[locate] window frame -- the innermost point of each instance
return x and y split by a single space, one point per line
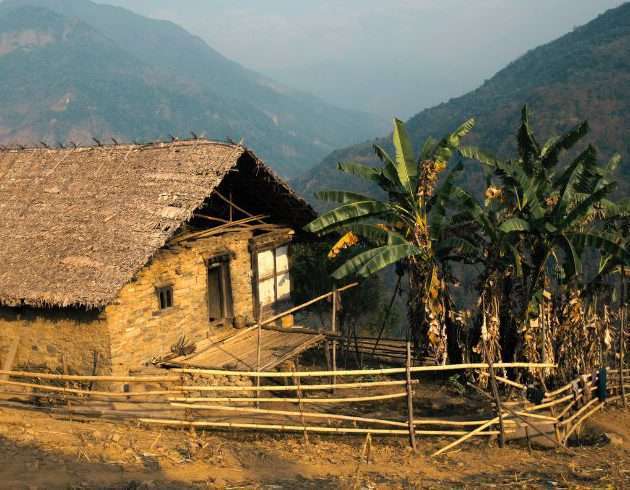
165 297
255 250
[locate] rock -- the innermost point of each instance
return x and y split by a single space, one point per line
614 439
116 437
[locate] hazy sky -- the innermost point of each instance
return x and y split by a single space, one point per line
392 57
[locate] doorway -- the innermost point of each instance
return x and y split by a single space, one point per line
219 292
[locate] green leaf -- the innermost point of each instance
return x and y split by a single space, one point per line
513 225
613 164
341 197
376 234
573 264
389 171
451 142
456 247
474 153
352 265
585 206
405 160
455 137
551 153
362 171
347 213
528 147
386 256
563 183
602 242
429 146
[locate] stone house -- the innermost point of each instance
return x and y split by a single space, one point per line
109 255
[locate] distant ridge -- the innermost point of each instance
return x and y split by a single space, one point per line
71 70
582 75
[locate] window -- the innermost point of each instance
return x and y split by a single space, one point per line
165 297
219 289
274 283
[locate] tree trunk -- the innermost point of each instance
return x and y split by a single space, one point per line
426 312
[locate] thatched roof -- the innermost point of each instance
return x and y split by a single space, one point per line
77 224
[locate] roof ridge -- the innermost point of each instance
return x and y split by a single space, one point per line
151 144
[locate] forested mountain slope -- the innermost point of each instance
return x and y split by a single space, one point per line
74 69
582 75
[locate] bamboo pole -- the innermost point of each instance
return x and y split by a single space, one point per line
292 400
362 372
551 403
412 434
386 317
497 401
304 305
579 412
299 428
73 377
562 389
316 387
582 419
63 389
289 413
258 340
301 407
90 412
466 437
524 420
506 381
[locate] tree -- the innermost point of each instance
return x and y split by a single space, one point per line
407 228
539 220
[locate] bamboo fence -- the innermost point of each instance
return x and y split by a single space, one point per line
189 398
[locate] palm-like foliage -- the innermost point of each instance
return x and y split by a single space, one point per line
406 227
540 219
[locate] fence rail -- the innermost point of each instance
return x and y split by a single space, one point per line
191 400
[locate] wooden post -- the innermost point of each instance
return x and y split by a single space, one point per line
622 336
94 368
7 365
296 380
412 433
231 208
333 328
497 401
258 341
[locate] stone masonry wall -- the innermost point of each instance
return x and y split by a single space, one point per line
140 330
45 335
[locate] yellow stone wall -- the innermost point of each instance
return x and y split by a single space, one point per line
129 332
46 335
140 330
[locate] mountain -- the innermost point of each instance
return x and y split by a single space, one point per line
74 70
582 75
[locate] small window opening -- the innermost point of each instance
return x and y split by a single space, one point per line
165 297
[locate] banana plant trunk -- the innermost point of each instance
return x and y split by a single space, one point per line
427 312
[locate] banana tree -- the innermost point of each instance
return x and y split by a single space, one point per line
405 228
546 218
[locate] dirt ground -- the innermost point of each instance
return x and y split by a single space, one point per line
40 451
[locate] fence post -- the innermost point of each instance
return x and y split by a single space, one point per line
258 361
497 400
333 327
412 431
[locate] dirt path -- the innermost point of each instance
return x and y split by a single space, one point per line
41 452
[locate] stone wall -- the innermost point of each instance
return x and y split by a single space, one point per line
140 330
47 335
